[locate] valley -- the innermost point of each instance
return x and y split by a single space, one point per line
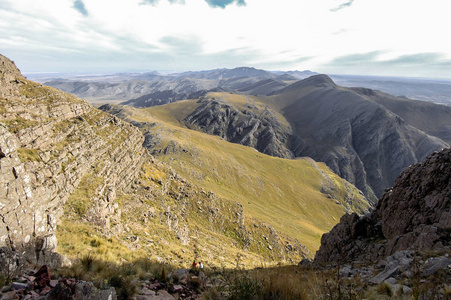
281 184
83 183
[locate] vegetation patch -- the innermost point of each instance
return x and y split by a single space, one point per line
19 123
80 200
27 154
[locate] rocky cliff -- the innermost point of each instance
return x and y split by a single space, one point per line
50 141
77 181
413 215
244 122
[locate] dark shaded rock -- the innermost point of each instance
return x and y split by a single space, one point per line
413 215
18 286
435 264
254 126
42 276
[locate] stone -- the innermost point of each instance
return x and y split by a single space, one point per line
10 295
180 273
345 271
382 276
45 290
177 288
155 286
406 290
42 276
163 295
435 264
413 215
146 291
53 283
18 286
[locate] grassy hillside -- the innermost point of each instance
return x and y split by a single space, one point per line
300 198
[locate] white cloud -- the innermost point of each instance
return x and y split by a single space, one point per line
288 34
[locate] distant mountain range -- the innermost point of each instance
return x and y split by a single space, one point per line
79 181
151 88
365 136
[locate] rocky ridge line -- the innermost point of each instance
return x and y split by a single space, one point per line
413 215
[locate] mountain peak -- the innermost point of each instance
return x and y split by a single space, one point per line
320 80
9 76
8 67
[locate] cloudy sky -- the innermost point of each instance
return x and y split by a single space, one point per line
369 37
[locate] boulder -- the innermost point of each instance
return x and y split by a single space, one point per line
435 264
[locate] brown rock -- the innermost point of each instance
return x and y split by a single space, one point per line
413 215
42 276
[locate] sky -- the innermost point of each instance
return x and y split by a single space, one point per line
360 37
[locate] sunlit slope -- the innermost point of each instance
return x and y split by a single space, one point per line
299 197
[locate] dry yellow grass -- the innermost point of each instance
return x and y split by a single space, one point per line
281 192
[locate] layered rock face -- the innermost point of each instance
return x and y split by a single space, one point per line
49 142
414 215
251 124
65 164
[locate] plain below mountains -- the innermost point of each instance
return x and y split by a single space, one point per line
365 136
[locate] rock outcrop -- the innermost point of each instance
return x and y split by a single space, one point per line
74 178
413 215
251 124
49 142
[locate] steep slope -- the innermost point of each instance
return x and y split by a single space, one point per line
77 180
434 119
264 87
300 198
414 215
163 97
49 143
356 137
243 120
352 130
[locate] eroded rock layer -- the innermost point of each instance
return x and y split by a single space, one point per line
49 141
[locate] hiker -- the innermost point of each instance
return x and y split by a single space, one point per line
194 264
201 265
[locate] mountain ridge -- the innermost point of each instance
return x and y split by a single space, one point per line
78 181
347 128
